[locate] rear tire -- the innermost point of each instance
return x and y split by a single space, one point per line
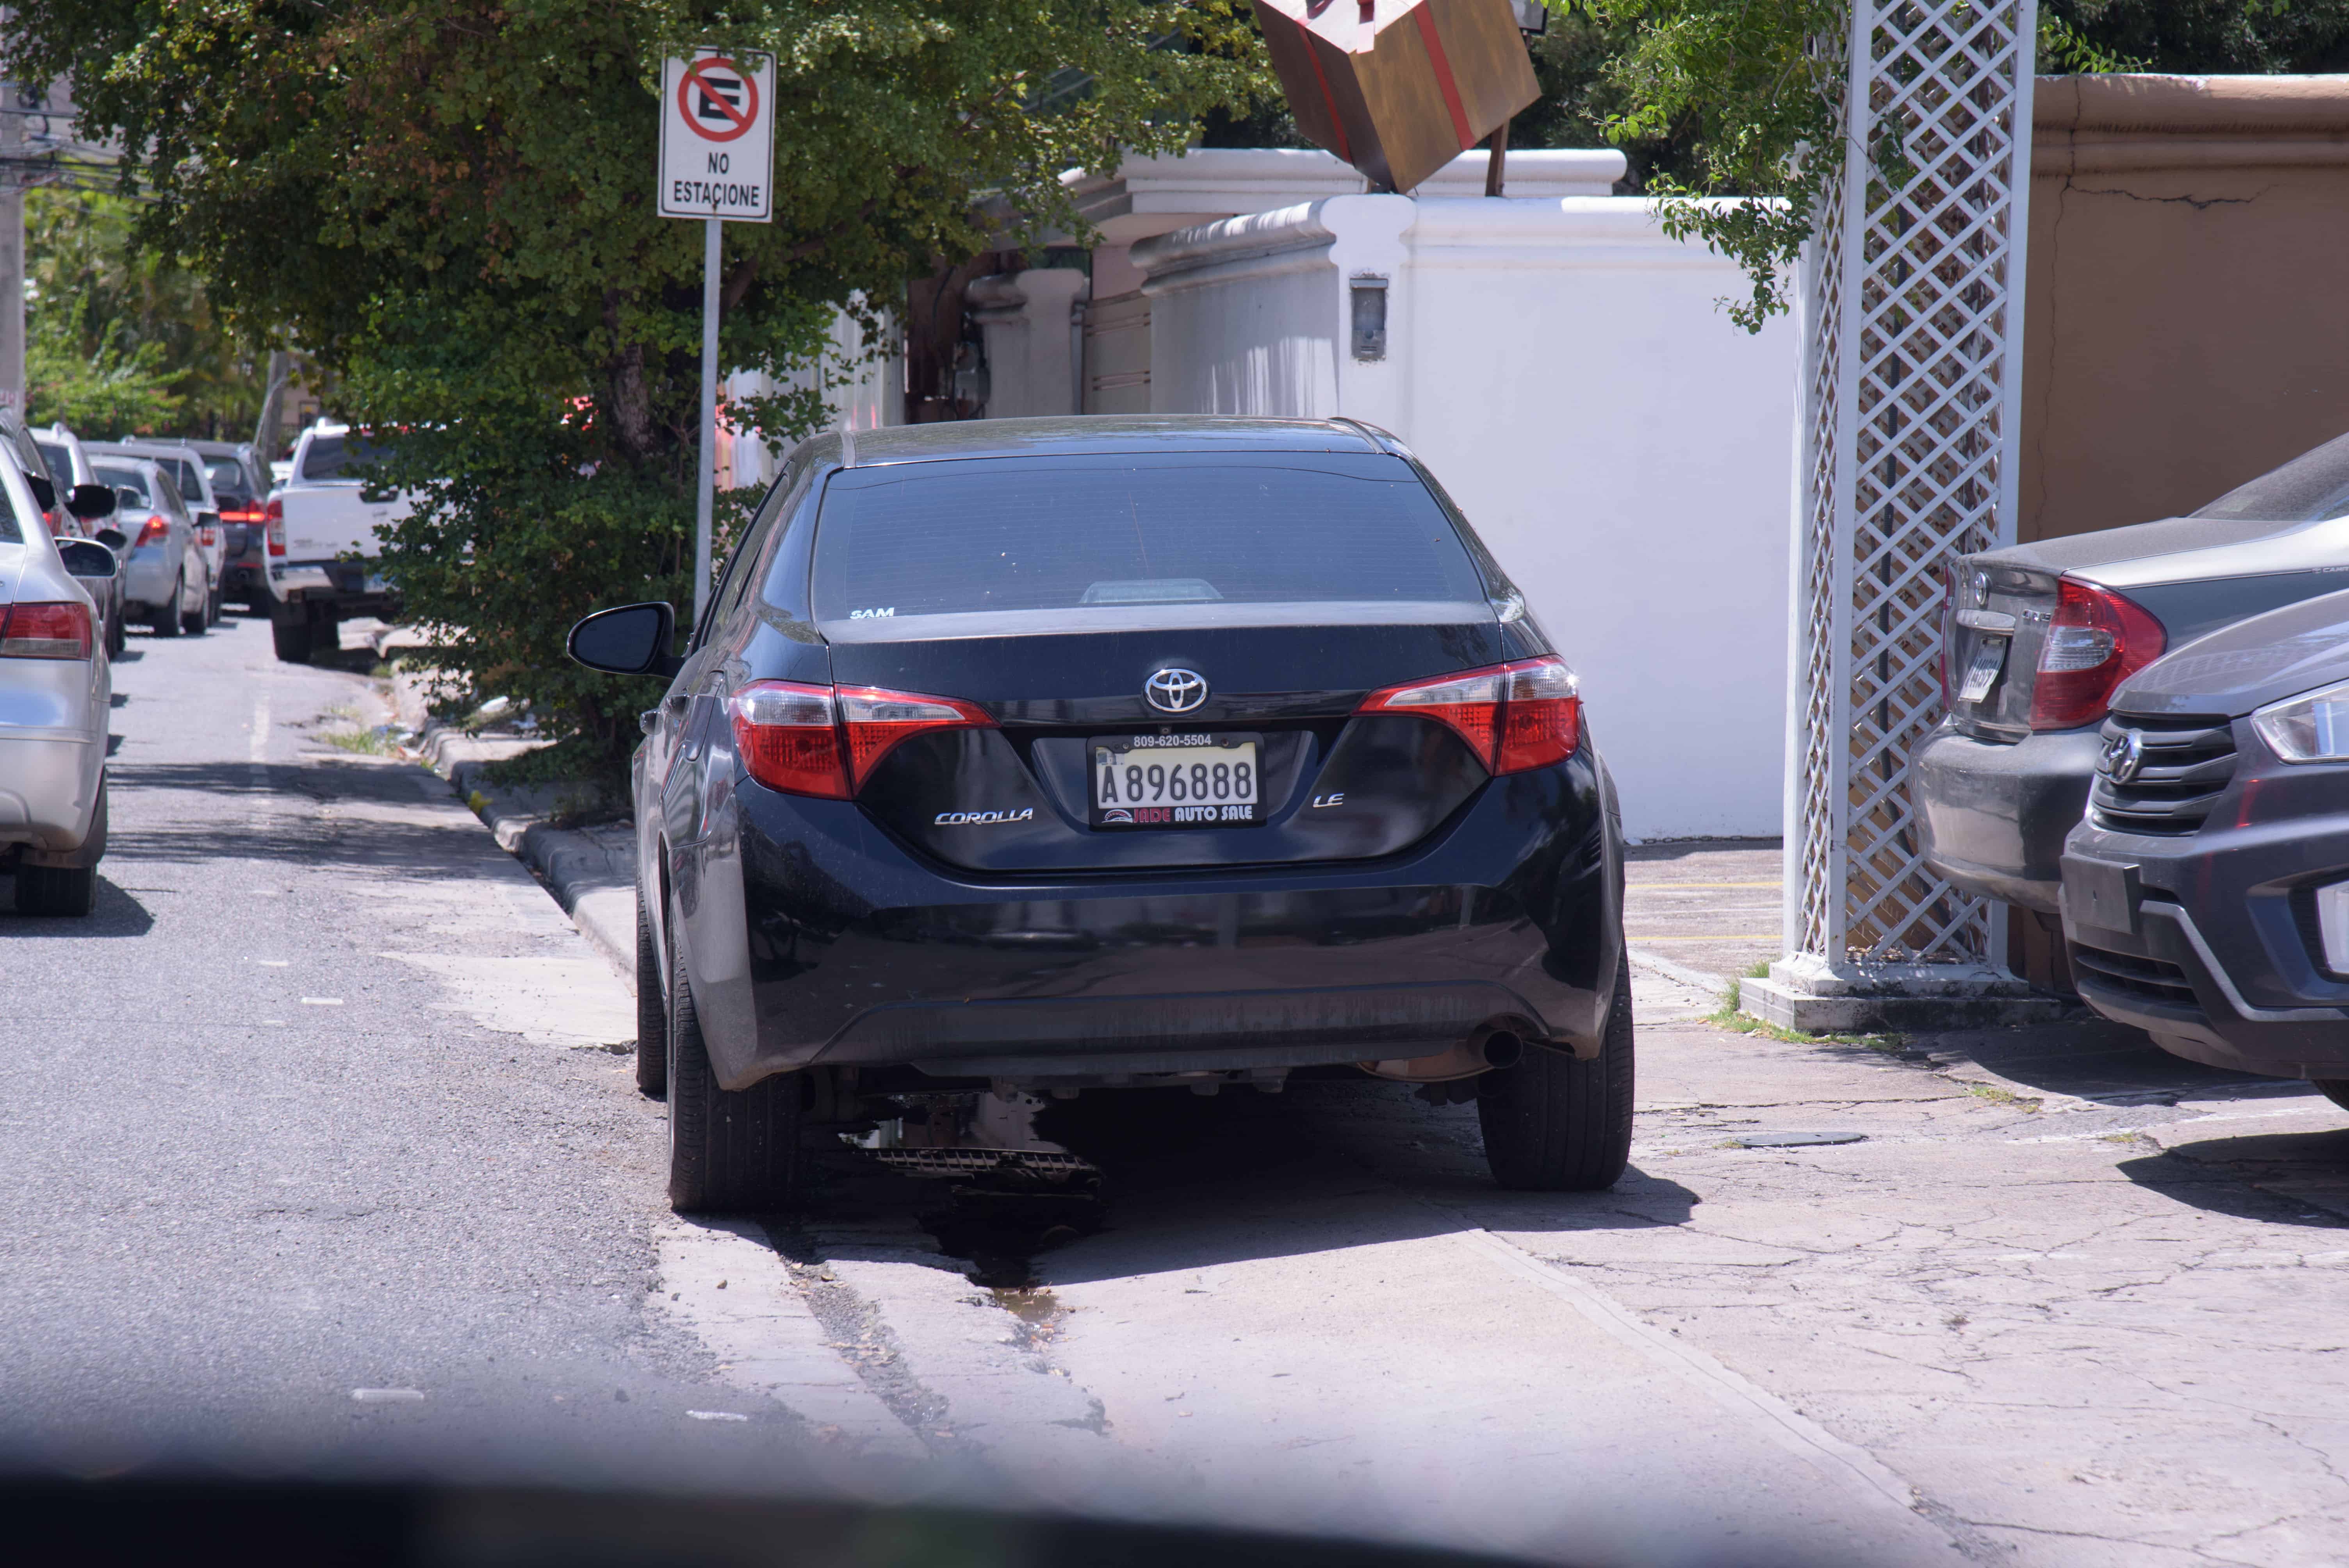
70 891
2335 1090
197 621
1556 1124
292 639
652 1010
727 1151
216 611
169 621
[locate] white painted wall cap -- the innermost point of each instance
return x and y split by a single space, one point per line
1252 179
1558 229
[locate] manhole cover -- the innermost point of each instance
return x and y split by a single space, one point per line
1794 1140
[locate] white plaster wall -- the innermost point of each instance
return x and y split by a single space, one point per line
1564 370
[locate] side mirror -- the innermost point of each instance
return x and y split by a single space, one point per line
86 558
113 538
632 640
87 501
45 494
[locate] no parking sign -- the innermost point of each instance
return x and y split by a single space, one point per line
717 139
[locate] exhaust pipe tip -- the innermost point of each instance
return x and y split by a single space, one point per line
1502 1048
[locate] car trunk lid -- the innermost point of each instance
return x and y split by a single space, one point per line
1324 783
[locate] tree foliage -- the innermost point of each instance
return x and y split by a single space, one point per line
450 203
1746 96
120 339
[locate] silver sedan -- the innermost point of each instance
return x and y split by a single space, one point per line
56 688
169 579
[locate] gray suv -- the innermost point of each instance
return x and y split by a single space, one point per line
2206 897
2037 637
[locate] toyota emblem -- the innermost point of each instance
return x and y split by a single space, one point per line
2124 754
1176 691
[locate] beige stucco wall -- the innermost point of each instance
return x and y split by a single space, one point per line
2188 321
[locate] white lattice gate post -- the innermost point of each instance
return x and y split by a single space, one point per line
1913 374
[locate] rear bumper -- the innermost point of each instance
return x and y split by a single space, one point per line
342 588
48 789
862 953
2219 965
147 577
1992 817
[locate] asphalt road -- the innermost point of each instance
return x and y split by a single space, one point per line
319 1161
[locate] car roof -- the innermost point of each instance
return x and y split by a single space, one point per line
1099 433
146 466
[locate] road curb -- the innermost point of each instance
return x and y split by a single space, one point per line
589 871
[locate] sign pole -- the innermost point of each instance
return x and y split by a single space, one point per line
716 155
706 488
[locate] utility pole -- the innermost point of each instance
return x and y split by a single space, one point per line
705 493
12 251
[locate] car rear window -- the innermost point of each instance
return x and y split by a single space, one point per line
2312 488
59 459
184 475
130 480
335 457
228 479
1017 534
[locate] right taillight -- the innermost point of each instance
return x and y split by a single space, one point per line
155 530
45 630
273 514
2096 640
1513 717
812 740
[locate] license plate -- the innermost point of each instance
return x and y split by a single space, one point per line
1175 780
2101 893
1989 658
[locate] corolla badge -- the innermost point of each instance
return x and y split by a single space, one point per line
1176 691
2124 754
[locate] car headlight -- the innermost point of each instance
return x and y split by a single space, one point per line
2311 728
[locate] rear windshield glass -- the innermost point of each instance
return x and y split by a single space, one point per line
2312 488
12 532
228 479
1012 534
60 461
183 475
335 457
129 483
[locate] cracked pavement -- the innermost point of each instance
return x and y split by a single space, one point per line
2065 1300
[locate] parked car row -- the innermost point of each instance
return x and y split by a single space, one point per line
2148 738
63 597
155 531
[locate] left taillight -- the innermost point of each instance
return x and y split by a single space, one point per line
47 630
1513 717
814 740
2096 640
273 514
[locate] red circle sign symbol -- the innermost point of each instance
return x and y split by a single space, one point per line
708 102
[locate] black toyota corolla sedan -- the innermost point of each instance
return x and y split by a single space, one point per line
1023 758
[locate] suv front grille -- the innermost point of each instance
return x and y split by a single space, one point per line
2153 979
2186 764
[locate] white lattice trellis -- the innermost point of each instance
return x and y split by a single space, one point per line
1912 379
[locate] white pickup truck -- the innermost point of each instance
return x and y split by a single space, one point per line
322 543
